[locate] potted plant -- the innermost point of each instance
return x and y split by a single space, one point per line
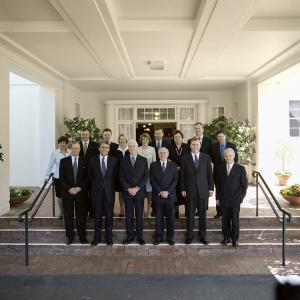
18 195
284 153
292 194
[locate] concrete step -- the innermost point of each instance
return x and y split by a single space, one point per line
149 223
57 235
213 249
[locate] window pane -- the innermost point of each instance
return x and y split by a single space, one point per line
294 132
171 113
294 123
140 114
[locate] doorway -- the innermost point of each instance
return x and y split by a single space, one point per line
148 127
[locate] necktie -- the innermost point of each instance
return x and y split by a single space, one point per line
132 160
222 148
75 168
103 167
228 169
164 167
196 161
85 148
158 145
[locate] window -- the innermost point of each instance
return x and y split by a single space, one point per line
294 116
186 113
218 111
166 113
125 114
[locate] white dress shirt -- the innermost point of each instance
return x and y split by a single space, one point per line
54 162
123 150
105 161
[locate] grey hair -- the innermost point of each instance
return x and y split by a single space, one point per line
133 142
163 148
230 150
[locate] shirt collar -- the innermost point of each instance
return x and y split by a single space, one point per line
123 150
193 154
230 165
101 156
87 142
161 162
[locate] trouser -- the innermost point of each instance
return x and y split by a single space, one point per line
134 206
191 205
77 201
164 209
230 223
103 207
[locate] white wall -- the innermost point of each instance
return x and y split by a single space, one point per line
32 133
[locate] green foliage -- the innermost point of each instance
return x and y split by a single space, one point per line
19 192
1 153
293 190
284 153
75 125
242 134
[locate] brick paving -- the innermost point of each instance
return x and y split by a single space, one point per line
212 265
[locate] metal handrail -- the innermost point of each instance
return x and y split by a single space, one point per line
286 216
23 216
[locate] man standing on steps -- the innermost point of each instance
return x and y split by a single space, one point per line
103 175
88 149
217 157
133 177
73 179
205 142
163 178
196 184
232 183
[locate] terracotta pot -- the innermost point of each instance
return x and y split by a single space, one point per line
15 201
291 199
283 179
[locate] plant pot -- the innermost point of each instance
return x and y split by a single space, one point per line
15 201
283 179
291 199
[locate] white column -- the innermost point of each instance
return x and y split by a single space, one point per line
110 120
201 113
4 136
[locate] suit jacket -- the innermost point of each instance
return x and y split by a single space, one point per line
133 176
164 143
92 150
233 187
66 176
98 183
216 155
113 149
205 145
196 182
161 181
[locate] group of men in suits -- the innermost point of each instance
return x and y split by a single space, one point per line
89 176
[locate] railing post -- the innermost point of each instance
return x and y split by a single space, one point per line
53 197
256 184
283 239
26 239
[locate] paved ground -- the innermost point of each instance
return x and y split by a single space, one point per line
138 287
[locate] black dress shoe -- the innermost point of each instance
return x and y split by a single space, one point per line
156 243
176 215
121 215
204 241
69 241
95 242
225 242
217 216
109 242
127 241
171 242
188 241
141 241
235 244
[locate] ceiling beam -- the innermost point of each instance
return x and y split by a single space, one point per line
273 24
34 27
156 25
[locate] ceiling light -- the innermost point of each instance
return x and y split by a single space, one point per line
156 65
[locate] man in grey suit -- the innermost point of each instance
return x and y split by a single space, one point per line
196 184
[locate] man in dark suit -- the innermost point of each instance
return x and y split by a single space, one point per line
88 149
217 157
205 142
102 175
163 178
73 180
232 182
113 147
196 184
133 176
158 141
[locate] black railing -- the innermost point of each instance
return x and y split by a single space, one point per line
286 216
39 199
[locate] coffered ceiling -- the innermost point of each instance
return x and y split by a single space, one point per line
108 44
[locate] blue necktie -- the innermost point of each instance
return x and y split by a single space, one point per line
222 148
103 167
